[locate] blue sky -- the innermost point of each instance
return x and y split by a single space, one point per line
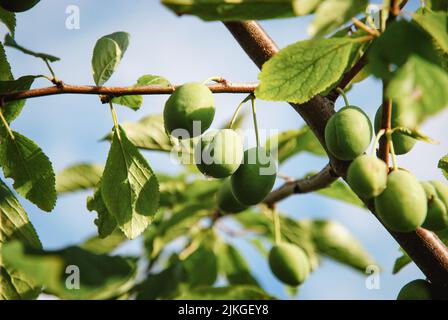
68 128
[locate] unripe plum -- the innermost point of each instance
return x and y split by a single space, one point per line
402 206
191 102
18 5
220 153
227 201
255 177
289 263
399 118
348 133
416 290
367 176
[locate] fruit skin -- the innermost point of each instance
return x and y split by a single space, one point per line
437 216
255 177
400 118
289 264
416 290
348 133
18 5
220 153
190 102
402 206
227 201
367 176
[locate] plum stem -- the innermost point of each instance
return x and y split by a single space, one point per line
114 118
277 229
254 114
392 150
377 141
237 110
5 123
342 93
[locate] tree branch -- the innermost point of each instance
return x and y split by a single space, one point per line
423 246
225 87
312 183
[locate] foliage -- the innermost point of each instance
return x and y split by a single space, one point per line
191 250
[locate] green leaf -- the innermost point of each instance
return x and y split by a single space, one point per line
12 109
23 161
443 165
289 143
135 101
331 14
179 224
335 241
10 42
241 292
80 176
225 10
233 266
201 267
401 262
421 86
5 68
99 245
148 133
15 225
105 222
416 134
400 41
107 54
163 285
100 276
339 190
436 24
129 187
304 7
9 19
304 69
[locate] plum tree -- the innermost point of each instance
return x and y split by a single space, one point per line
190 103
367 176
18 5
416 290
402 205
399 118
227 201
289 263
255 177
220 153
348 133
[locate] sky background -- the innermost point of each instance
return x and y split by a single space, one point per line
68 128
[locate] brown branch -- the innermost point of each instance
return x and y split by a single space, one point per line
312 183
386 116
425 249
224 87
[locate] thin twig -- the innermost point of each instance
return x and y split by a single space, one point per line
362 26
121 91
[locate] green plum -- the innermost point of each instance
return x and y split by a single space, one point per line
18 5
437 216
220 153
402 206
191 108
255 177
289 263
367 176
227 201
416 290
348 133
399 118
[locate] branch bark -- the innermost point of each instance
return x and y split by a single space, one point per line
423 246
315 182
225 87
